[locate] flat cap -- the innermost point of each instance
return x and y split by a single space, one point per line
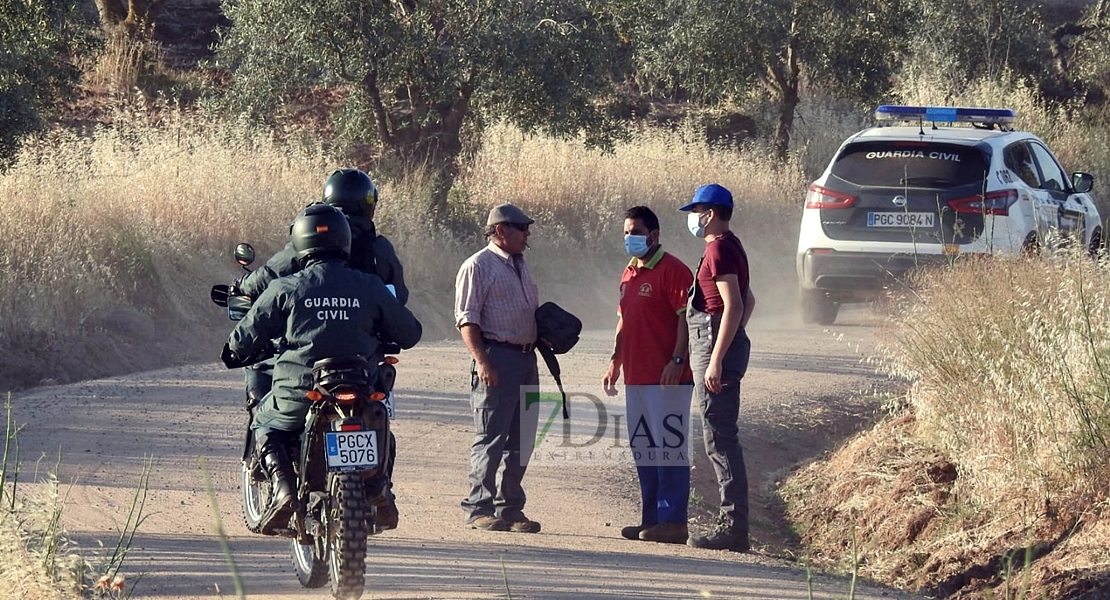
507 213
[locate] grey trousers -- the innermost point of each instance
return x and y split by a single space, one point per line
720 412
504 436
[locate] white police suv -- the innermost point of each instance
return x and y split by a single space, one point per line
958 181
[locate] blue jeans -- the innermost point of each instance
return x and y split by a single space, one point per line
501 436
720 412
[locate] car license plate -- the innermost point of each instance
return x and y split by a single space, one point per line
352 450
388 402
900 219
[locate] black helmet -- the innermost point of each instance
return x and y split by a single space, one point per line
351 191
320 230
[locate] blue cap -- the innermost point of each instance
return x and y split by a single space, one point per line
710 194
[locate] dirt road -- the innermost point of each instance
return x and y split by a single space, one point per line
794 406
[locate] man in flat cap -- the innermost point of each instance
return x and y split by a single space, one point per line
495 307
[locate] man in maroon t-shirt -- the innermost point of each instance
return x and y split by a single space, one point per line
650 345
720 305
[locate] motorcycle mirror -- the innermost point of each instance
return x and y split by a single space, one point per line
220 294
244 254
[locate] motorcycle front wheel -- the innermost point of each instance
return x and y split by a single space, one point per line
346 527
256 493
310 563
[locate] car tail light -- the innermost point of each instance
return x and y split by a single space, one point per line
993 203
821 197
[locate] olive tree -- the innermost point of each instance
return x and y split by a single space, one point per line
968 39
422 70
715 49
39 42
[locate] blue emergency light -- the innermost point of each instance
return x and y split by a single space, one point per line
945 114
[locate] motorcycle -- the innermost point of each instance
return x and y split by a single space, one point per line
345 443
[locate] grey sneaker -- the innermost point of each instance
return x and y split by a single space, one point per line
489 523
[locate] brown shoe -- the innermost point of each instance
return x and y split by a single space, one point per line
489 524
666 533
524 525
632 532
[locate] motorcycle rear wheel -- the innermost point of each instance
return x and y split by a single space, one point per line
346 526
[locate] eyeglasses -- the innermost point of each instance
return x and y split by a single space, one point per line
517 226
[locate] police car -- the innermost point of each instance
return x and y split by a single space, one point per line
953 181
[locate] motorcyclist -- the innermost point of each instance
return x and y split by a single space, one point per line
353 192
325 309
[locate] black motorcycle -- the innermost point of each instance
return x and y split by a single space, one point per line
345 443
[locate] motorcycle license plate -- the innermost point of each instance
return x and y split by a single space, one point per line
352 450
388 402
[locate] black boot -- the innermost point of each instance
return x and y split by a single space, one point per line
283 485
379 494
726 536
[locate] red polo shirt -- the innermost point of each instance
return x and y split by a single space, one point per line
653 301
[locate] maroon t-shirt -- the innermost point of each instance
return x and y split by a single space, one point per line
723 256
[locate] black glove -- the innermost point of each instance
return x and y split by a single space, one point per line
233 361
237 285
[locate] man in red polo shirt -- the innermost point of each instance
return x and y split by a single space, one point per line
650 345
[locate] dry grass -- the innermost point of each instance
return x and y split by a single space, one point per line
1011 368
1005 443
35 562
133 223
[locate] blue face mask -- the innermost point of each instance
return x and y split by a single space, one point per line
694 224
636 245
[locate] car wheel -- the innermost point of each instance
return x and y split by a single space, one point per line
1095 247
1031 247
817 307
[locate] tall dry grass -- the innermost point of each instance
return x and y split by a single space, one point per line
121 231
1010 364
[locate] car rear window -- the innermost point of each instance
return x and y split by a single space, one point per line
912 164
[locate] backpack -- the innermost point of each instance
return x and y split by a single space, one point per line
362 252
557 327
558 332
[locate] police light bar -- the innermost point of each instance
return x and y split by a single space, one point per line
945 114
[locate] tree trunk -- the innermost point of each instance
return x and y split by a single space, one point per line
126 17
783 77
433 149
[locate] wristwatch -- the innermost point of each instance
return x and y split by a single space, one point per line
678 360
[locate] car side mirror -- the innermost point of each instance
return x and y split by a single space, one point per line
1082 182
244 254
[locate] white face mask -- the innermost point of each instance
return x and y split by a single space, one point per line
694 224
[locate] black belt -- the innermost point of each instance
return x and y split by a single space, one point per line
525 348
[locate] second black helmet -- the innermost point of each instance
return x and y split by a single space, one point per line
351 191
319 231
